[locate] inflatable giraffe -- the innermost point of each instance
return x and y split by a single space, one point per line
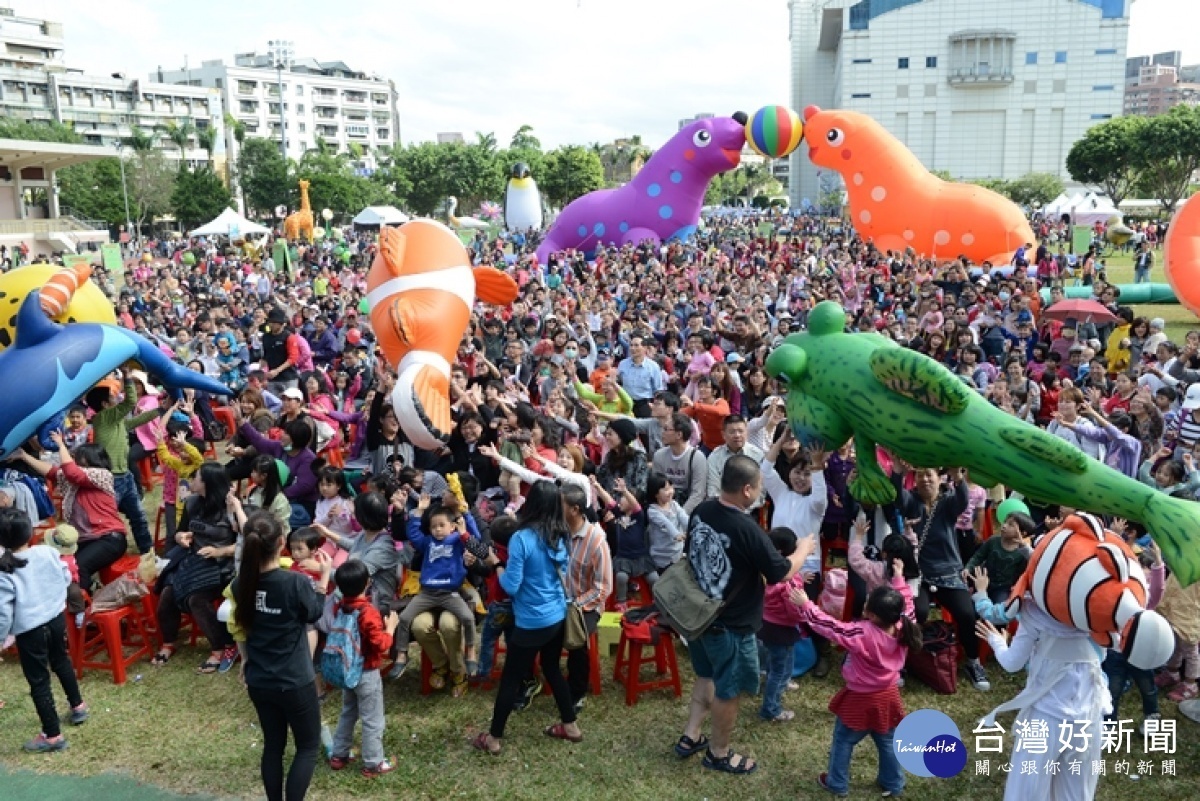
300 222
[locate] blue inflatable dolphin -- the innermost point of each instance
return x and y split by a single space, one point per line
51 366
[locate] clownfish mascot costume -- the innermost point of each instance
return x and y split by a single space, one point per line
1083 591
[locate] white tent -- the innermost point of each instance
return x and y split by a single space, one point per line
230 223
1093 209
380 215
1056 206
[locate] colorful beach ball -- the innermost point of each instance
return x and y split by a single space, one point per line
774 131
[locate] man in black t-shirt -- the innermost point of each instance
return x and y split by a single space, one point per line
280 368
731 557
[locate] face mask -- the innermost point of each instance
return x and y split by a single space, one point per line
570 353
1004 297
545 371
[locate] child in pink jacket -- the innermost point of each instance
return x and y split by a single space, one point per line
780 631
870 702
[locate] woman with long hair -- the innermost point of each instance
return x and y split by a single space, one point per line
273 609
537 555
199 567
269 475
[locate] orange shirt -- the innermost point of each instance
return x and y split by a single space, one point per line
711 418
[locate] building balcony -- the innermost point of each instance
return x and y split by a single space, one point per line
977 79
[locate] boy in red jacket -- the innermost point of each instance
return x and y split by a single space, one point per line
366 700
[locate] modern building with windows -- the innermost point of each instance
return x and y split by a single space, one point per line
37 86
304 99
980 90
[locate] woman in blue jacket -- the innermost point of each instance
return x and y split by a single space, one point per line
537 554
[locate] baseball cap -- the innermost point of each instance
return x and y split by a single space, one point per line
734 358
1158 323
602 353
293 393
1192 399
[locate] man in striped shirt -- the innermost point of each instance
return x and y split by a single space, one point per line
589 582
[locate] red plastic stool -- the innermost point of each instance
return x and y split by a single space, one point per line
593 662
426 674
126 564
110 634
985 650
639 595
224 414
630 661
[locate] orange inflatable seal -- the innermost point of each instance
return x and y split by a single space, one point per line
421 289
899 204
1181 257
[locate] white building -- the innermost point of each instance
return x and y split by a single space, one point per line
37 86
319 99
981 90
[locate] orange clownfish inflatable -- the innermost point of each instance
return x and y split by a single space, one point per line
899 204
1086 577
1181 257
421 290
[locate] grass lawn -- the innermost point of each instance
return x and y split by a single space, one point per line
198 734
1179 320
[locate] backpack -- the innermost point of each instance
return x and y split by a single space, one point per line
304 362
342 659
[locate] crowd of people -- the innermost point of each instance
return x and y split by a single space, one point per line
615 420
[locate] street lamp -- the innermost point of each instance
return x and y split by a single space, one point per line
281 56
327 215
124 189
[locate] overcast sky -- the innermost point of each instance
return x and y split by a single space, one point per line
576 70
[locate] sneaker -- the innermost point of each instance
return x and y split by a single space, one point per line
976 674
823 781
79 715
397 670
622 607
579 706
229 657
528 692
1184 691
340 762
1151 716
375 771
43 745
793 685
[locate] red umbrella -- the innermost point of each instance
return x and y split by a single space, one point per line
1082 310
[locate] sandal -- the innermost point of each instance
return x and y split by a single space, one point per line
725 764
210 666
559 732
438 680
480 742
162 657
458 687
687 747
1184 691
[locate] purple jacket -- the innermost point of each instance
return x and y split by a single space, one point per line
303 489
837 475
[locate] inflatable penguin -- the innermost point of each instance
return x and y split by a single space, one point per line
522 202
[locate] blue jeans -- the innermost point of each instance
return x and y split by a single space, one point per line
1141 275
890 776
1120 673
779 672
493 627
129 503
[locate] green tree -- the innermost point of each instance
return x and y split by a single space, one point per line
179 134
236 127
151 182
142 141
474 173
207 139
524 139
943 174
39 131
198 197
263 175
997 185
486 141
1167 154
1107 156
93 190
571 171
423 167
1034 190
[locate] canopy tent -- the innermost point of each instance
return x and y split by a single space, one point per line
376 216
230 223
1093 209
1056 206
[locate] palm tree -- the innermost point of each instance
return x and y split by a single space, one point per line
207 138
236 127
486 141
141 141
180 134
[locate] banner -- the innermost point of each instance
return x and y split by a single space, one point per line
72 259
1081 239
282 257
110 257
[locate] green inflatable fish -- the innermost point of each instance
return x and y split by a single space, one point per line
865 386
